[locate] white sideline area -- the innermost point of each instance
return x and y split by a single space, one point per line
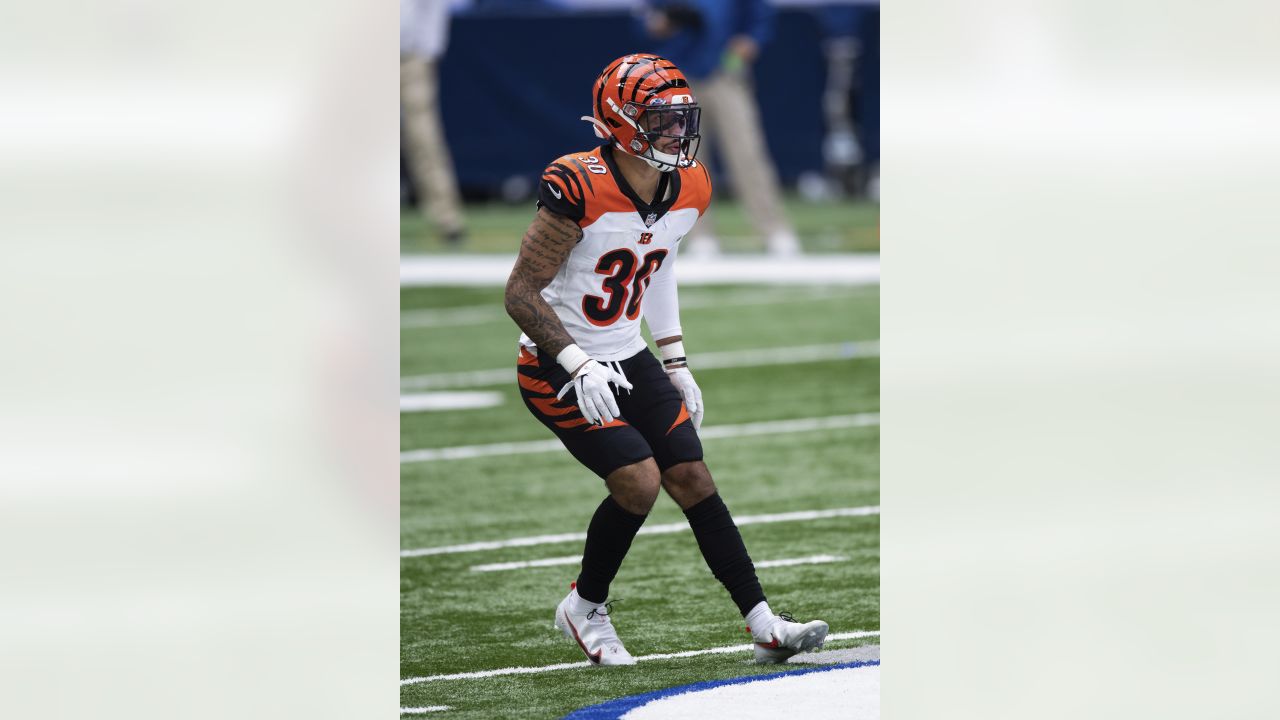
799 515
424 710
828 269
841 694
834 637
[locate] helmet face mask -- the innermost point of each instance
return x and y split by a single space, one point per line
670 133
643 103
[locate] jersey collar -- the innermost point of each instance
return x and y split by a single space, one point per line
656 210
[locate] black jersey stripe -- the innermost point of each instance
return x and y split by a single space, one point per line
584 174
572 184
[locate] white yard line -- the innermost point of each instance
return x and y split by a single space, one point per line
452 317
788 355
436 401
464 379
424 710
522 564
713 360
493 312
773 427
799 515
835 637
696 300
811 560
574 559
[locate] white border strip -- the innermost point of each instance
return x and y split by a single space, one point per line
753 357
772 427
644 530
424 710
660 656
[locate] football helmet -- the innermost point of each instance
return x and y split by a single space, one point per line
644 104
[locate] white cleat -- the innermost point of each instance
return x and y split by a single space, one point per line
786 638
593 632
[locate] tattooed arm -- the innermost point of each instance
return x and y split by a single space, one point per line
546 244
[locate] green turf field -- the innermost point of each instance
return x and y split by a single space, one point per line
845 226
456 620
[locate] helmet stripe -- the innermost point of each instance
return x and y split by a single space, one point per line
622 81
600 83
655 70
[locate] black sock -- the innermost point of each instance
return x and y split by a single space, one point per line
722 547
608 539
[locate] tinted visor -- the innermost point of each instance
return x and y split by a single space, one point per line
669 121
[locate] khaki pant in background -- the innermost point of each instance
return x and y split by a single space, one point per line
429 158
730 116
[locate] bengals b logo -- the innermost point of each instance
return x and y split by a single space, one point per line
646 238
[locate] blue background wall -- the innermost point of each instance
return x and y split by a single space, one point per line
514 83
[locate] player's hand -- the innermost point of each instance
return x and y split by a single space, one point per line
683 380
595 397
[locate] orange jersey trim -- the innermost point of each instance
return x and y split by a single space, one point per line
695 189
680 417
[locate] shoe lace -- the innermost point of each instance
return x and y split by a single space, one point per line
608 609
787 616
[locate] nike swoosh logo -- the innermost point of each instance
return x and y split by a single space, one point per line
771 645
593 658
554 191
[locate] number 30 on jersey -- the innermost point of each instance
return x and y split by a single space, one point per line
626 278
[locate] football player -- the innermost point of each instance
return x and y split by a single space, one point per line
599 255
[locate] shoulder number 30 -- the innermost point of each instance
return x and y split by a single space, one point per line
626 276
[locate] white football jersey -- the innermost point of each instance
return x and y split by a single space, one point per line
599 291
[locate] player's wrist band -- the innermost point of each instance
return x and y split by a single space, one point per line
572 358
673 354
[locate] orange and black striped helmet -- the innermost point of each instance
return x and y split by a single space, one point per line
644 103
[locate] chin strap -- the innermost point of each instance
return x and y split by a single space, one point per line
602 132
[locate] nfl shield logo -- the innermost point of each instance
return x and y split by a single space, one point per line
650 219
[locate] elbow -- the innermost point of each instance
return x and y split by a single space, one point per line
509 298
515 297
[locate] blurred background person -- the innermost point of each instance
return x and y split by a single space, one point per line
424 32
850 146
716 42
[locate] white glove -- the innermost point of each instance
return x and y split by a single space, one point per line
591 382
673 362
683 380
